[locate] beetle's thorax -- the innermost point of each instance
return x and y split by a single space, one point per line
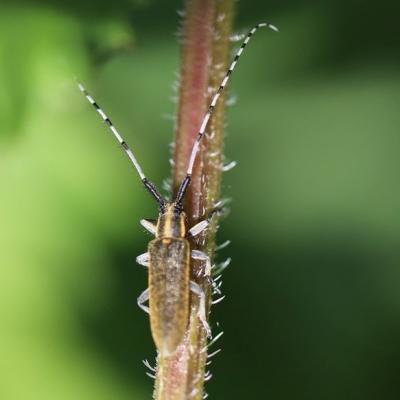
171 223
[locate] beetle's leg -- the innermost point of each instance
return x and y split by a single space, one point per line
149 225
200 255
202 225
143 259
198 228
142 299
196 289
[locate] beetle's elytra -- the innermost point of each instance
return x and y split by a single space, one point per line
169 270
169 254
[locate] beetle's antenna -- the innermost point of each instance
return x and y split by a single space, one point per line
186 181
150 187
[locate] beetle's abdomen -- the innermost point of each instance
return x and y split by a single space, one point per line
169 292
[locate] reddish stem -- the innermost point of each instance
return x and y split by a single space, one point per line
205 50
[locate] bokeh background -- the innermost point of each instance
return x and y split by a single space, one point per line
313 300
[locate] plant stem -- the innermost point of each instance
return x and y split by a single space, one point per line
206 43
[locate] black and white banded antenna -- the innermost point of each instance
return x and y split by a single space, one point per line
150 187
186 181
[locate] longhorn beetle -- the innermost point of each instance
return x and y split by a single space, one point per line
169 254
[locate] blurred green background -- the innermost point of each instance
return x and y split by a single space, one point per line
313 300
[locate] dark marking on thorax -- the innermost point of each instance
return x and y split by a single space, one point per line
171 223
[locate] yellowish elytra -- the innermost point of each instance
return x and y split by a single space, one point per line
169 254
169 271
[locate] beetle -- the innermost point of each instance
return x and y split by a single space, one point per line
169 254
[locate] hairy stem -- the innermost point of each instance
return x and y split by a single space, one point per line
205 53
